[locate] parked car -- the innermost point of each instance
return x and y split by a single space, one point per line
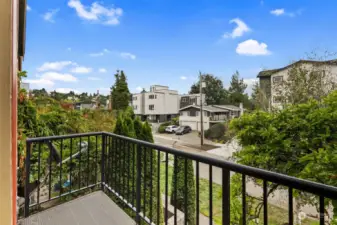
171 129
183 130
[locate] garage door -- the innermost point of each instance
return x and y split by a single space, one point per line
192 124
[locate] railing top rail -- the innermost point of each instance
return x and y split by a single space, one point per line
296 183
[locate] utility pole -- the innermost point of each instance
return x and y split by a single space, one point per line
201 113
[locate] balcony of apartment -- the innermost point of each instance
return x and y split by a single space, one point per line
103 178
219 117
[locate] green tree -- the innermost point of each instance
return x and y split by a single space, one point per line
180 180
259 99
298 141
120 93
237 90
214 91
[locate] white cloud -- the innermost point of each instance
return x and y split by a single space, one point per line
49 16
127 55
104 90
283 12
53 76
240 29
66 90
102 70
97 12
94 78
81 69
277 12
40 83
55 65
183 78
28 8
69 49
252 47
103 52
250 83
139 89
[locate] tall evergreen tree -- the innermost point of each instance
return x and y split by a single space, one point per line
120 94
237 91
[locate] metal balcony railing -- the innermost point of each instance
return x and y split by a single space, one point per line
136 174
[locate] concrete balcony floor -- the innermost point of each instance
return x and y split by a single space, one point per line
92 209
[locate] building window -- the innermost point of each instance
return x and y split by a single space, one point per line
134 98
152 96
135 107
183 100
151 107
277 79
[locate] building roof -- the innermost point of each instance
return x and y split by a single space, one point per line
228 107
268 73
207 108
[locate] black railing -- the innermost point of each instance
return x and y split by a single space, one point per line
138 176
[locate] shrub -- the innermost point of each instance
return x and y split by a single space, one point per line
162 127
217 131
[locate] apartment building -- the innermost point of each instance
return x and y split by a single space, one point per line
270 80
158 105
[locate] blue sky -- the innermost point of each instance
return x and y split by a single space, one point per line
79 44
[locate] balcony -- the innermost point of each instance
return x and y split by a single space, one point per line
104 178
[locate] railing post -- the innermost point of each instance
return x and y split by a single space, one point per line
103 161
138 183
27 169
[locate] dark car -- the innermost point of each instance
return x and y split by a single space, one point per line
183 130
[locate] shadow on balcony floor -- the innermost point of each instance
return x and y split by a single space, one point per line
95 208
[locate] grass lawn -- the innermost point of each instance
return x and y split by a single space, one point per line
277 216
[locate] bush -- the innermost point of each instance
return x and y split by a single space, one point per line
163 126
217 131
175 121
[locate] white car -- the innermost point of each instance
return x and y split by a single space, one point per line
171 129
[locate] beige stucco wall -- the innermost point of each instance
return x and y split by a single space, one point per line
8 52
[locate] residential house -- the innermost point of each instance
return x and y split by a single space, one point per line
158 105
270 80
191 99
190 115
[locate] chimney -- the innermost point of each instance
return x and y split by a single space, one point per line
241 109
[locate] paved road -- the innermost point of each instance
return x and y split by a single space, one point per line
279 198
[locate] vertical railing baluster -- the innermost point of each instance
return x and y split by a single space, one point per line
175 188
145 186
265 203
290 207
166 187
50 164
27 168
226 197
244 205
61 153
123 170
151 178
107 161
113 161
88 162
138 184
134 150
321 210
158 189
103 162
197 191
71 165
210 195
128 170
79 163
38 174
185 192
96 160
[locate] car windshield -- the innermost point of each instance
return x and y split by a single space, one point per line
180 128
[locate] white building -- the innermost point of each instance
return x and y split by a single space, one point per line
270 80
158 105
